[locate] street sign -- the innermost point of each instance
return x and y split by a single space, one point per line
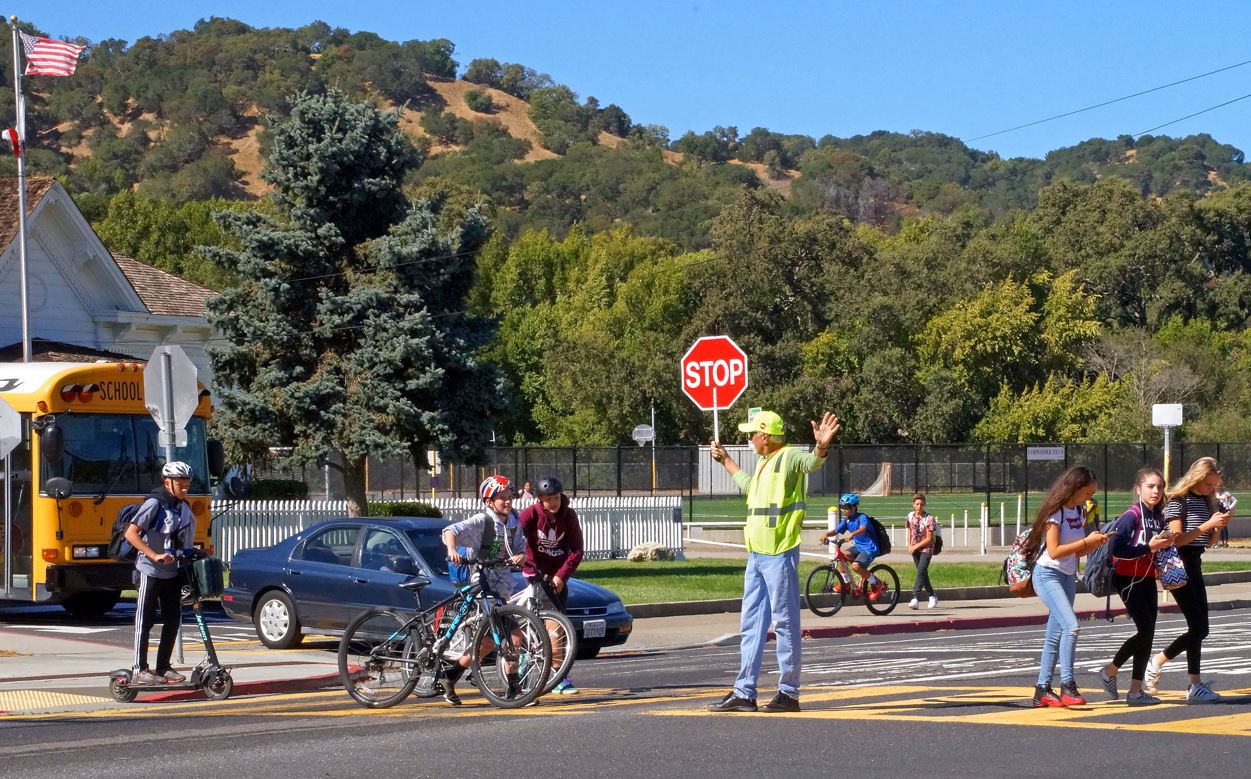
643 433
10 428
171 393
1166 414
714 373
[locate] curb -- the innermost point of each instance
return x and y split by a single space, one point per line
262 687
731 605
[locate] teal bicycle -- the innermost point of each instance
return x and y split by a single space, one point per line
384 654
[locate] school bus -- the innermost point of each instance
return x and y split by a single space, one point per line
85 429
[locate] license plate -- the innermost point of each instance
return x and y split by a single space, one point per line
594 628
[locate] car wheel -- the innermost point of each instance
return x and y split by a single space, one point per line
277 625
588 651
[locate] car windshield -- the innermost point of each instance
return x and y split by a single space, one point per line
122 454
429 543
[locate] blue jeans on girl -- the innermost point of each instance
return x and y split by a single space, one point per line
1057 590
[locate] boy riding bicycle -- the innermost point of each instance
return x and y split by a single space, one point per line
498 541
860 531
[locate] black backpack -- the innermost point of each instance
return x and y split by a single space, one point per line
881 536
119 548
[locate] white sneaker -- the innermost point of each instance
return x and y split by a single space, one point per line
912 604
933 601
1201 693
1151 679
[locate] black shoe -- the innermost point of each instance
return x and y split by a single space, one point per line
731 702
449 695
782 702
514 687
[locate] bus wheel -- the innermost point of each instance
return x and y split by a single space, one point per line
92 603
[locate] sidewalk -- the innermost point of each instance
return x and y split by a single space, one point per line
44 673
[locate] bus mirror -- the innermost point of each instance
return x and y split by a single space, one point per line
216 458
234 488
59 488
51 443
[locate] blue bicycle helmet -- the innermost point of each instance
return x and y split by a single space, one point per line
849 499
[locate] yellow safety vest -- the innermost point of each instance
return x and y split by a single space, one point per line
776 496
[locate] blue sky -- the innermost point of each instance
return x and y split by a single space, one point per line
962 67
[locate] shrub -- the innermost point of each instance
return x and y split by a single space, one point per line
407 508
479 101
277 489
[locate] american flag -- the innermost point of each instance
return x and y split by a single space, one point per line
46 57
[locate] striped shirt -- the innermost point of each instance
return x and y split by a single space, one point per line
1197 512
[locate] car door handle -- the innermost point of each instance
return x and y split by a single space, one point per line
295 572
359 580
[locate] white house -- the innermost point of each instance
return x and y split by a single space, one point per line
83 300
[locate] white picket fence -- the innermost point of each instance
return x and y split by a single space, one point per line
611 526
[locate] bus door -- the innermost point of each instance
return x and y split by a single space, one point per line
16 543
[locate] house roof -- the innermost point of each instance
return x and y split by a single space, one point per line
163 293
56 351
36 188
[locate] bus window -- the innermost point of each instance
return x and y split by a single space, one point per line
120 454
15 535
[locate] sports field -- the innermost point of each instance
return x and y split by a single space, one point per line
894 509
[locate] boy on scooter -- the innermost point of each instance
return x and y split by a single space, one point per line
162 527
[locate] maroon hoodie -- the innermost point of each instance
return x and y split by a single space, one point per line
553 542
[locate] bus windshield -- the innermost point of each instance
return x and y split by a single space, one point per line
121 454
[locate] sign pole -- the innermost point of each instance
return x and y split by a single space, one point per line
167 407
716 420
653 447
1168 451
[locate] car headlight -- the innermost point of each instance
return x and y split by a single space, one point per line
616 607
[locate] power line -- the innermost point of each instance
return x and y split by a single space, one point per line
1114 100
1189 116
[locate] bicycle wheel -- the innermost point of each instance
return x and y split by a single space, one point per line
889 598
378 658
512 657
564 640
822 598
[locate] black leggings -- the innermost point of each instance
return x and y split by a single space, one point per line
1193 602
1139 596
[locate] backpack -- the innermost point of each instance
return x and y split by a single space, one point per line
938 536
119 548
459 574
1018 566
880 536
1098 574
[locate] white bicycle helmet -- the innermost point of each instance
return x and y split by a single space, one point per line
176 469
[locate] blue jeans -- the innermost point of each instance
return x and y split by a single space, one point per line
1057 590
770 594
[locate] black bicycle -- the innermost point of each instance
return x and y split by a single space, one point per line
385 654
830 586
560 630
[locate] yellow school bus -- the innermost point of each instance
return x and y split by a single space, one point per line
85 428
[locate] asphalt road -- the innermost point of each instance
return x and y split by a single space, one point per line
943 704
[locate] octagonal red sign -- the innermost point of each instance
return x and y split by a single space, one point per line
714 372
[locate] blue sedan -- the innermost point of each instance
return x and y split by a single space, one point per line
317 580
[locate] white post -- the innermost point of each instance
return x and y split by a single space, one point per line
966 527
831 521
1019 508
953 528
1002 530
981 527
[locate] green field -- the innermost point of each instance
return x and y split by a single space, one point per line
894 509
706 578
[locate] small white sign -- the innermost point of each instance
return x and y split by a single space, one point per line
1044 453
1166 414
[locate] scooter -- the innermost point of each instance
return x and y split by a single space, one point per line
209 675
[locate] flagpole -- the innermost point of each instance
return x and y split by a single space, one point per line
21 187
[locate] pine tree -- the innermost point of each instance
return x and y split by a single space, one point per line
346 336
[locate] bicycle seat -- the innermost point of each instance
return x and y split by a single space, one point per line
415 584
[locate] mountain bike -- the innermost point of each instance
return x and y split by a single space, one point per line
830 586
385 654
560 630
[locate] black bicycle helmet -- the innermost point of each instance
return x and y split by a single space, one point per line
548 485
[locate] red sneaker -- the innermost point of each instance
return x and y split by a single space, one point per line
1045 697
875 592
1069 696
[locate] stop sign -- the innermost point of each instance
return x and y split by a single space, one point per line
714 372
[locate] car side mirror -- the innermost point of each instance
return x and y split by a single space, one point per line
406 566
59 488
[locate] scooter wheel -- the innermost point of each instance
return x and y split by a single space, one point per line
219 687
121 690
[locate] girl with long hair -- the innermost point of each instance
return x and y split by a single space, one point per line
1192 514
1139 533
1059 535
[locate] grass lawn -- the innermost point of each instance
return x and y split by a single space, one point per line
710 578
